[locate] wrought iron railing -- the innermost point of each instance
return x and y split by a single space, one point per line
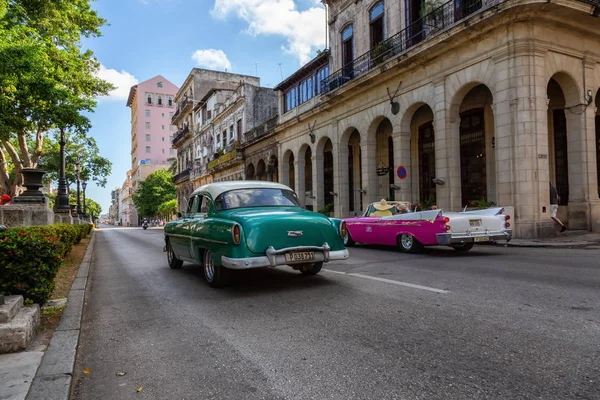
430 25
182 104
182 176
180 134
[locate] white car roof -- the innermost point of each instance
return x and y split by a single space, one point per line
216 188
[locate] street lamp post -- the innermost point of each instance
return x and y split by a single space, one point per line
84 185
78 182
62 197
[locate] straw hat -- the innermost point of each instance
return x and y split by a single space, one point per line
382 205
402 207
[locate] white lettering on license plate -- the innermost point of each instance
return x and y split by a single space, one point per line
482 238
300 256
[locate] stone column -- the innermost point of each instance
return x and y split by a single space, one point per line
341 184
402 157
299 180
318 181
369 166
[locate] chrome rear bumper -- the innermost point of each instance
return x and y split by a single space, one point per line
448 239
275 257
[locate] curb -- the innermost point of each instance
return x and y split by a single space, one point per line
53 378
557 245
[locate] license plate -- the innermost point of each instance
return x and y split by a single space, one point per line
475 222
300 256
482 238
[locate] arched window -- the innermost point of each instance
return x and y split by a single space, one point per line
377 24
348 50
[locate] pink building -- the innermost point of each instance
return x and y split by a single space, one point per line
152 106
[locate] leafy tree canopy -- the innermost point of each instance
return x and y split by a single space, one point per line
153 191
168 208
79 148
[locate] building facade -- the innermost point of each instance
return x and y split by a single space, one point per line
204 91
152 104
127 211
460 104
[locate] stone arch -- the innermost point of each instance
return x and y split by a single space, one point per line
288 169
304 176
473 171
567 73
273 168
250 172
261 170
421 128
324 156
567 147
350 174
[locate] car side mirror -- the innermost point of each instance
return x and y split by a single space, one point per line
179 215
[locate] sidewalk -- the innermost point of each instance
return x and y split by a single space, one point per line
567 239
44 371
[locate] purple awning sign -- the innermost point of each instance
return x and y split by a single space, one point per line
401 172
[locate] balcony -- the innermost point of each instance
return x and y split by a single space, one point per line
180 135
181 177
428 26
197 172
184 105
233 155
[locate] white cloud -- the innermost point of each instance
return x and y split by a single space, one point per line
303 30
211 59
123 81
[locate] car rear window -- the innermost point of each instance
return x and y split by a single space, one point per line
242 198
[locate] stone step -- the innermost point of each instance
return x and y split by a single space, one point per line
10 308
16 334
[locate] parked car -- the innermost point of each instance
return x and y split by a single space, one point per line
391 224
251 224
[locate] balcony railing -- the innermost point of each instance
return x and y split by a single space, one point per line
197 172
430 25
232 155
180 134
182 176
186 101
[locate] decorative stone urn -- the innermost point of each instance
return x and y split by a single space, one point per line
32 180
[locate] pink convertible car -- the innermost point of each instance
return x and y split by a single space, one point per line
389 223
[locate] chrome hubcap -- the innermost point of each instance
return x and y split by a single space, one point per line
407 241
346 239
209 268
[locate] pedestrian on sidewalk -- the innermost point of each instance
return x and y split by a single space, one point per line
554 199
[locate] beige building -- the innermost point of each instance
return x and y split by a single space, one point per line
191 98
478 101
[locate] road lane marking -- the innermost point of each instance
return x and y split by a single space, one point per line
399 283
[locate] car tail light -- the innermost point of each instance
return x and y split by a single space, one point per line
236 234
448 227
343 229
446 220
507 224
506 217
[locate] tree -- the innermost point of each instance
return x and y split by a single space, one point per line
153 191
78 148
91 206
168 209
46 80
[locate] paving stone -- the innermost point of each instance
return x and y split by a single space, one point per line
17 372
71 316
79 284
54 387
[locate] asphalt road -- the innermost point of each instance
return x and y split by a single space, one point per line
496 323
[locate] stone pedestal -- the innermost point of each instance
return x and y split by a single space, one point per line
17 324
63 217
26 215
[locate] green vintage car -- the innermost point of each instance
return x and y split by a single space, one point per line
249 224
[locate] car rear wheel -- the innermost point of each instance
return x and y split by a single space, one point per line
463 248
216 276
311 269
348 241
173 261
408 243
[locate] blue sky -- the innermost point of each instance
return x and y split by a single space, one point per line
146 38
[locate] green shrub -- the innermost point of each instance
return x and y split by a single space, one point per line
67 235
29 260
